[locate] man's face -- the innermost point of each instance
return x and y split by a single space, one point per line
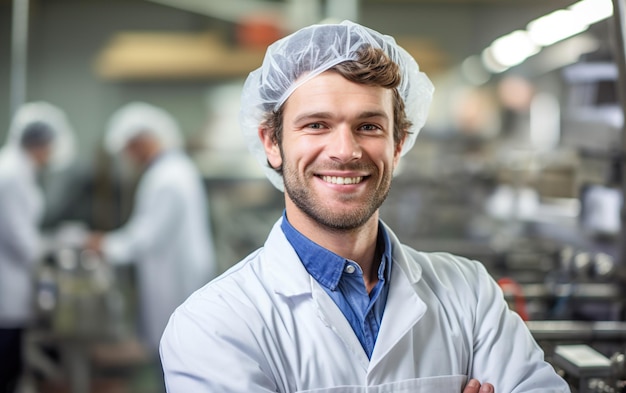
41 155
135 151
338 152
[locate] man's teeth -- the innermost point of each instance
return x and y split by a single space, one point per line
342 180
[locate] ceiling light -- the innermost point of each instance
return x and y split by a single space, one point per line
556 26
513 48
592 11
490 63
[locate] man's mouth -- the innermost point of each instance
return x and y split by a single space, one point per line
342 180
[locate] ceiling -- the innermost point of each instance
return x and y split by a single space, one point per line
447 32
438 33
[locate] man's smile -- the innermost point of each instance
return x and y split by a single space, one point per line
342 180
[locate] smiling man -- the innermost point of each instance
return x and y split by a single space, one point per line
334 302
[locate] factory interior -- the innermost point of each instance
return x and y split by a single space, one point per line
520 164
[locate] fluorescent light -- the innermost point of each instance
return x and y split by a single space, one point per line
490 63
513 48
592 11
556 26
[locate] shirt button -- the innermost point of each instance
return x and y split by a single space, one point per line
349 269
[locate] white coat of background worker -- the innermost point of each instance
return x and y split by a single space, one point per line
168 234
39 136
334 302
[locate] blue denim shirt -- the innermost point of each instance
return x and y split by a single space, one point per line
343 280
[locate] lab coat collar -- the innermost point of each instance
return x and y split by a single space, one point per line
413 271
404 307
283 262
291 279
289 276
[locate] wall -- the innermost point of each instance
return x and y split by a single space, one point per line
65 38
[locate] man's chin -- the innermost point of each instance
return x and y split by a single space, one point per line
341 219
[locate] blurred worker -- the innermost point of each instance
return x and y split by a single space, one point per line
334 302
39 135
168 233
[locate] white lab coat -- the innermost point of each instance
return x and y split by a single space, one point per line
21 211
168 237
267 326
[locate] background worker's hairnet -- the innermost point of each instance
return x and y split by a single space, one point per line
311 51
138 118
63 144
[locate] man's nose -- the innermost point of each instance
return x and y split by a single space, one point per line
343 145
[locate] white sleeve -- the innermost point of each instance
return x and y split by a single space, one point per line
505 353
19 228
152 222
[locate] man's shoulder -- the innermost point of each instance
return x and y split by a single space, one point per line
7 180
418 263
442 264
174 177
11 173
230 303
451 279
13 182
240 279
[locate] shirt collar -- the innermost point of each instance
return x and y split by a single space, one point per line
325 266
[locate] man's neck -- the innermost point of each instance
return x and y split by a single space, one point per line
358 245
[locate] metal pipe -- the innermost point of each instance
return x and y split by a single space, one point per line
19 54
577 330
619 10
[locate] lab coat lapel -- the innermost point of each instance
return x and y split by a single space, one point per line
287 274
290 279
404 308
334 319
402 311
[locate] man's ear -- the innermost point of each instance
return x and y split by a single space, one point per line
398 151
272 150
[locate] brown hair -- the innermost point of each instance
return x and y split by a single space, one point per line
373 68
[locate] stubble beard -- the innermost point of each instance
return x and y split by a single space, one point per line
347 220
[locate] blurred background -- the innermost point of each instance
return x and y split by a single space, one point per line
520 164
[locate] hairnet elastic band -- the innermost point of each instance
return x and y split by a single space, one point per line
304 79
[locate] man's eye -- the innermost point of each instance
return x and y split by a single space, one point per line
370 127
315 126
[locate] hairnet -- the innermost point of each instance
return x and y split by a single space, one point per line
138 118
41 112
37 134
313 50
